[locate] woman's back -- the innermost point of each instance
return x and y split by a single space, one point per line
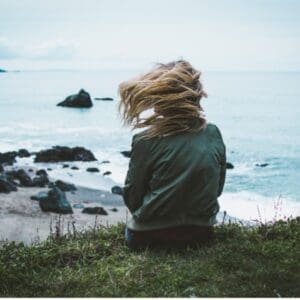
175 180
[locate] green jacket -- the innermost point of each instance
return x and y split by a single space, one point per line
175 180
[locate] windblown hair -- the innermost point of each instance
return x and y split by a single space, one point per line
173 91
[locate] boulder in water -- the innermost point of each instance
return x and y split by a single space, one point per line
8 158
93 170
56 201
40 181
1 169
117 190
59 153
81 100
106 173
23 153
97 210
104 99
229 165
65 187
262 165
126 153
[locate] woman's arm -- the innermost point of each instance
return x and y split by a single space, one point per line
138 175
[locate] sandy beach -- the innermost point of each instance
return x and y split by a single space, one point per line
23 220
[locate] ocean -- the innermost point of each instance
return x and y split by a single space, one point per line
257 112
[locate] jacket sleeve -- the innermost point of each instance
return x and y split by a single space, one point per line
222 164
138 175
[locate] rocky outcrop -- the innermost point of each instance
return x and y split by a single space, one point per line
262 165
229 165
106 173
58 154
6 185
104 99
55 201
117 190
64 186
8 158
126 153
93 170
24 153
97 210
2 71
80 100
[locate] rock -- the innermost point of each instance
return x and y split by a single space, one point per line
56 201
49 169
97 210
8 158
58 154
1 169
104 99
229 165
40 181
30 170
23 177
106 173
41 172
81 100
2 71
262 165
114 209
23 153
74 168
65 187
6 186
78 205
41 196
65 166
105 162
117 190
92 170
126 153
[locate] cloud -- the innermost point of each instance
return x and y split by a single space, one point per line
50 50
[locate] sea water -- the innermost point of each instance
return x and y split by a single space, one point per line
257 112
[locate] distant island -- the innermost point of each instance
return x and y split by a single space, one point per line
2 71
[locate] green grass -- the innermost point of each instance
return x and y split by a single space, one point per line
239 262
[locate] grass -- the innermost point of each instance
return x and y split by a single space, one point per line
239 262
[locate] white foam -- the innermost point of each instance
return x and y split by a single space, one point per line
251 206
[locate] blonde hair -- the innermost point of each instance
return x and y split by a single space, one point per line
173 90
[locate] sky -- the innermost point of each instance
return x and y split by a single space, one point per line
225 35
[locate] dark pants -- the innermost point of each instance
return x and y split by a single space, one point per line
175 237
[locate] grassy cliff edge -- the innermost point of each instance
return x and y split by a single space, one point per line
240 261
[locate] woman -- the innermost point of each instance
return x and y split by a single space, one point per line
177 166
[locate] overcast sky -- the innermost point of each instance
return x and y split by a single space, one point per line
212 34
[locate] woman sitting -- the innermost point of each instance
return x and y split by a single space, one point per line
177 165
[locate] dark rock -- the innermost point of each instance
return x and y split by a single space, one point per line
8 158
78 205
23 153
104 99
92 170
58 153
117 190
2 71
57 202
114 209
65 166
23 177
49 169
74 168
1 169
106 173
40 196
229 165
51 185
81 100
65 187
40 181
30 170
41 172
105 162
98 210
6 186
126 153
262 165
